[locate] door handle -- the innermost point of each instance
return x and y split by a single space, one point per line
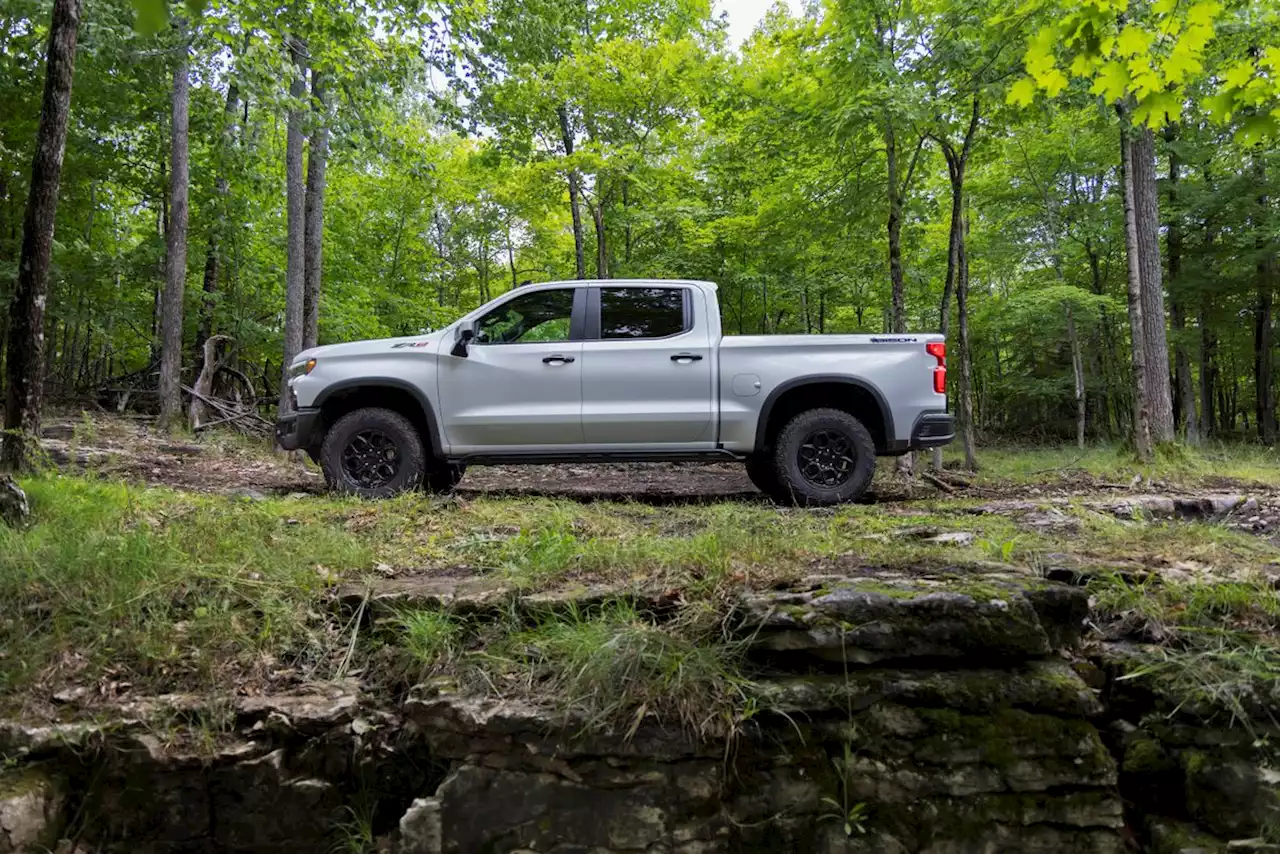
552 360
684 358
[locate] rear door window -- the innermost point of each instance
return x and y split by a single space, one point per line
636 313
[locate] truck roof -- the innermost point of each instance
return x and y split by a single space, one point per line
613 283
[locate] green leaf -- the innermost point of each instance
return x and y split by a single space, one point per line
1112 81
1238 75
1133 41
1158 108
1143 79
1222 105
1203 13
1164 7
1022 93
1256 130
1180 64
1053 81
150 15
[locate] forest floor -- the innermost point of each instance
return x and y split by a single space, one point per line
215 566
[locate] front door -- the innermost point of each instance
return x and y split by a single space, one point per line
647 372
520 385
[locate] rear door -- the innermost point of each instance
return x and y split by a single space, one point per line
520 385
647 368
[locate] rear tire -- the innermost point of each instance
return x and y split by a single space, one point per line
373 453
823 457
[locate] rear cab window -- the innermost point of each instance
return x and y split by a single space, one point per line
643 313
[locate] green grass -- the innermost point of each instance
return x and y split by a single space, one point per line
160 588
164 591
617 665
1208 464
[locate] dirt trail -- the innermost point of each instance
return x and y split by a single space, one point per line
129 449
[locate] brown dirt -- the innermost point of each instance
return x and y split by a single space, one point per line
129 449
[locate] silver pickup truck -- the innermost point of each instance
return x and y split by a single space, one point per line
615 370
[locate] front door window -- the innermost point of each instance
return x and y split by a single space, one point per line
538 317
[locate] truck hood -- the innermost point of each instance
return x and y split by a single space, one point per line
377 346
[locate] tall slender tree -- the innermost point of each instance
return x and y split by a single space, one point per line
295 194
26 357
313 239
175 246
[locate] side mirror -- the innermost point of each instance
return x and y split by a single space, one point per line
466 334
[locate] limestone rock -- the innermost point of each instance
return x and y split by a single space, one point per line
258 807
310 711
15 511
420 828
1047 686
486 809
31 803
864 621
1230 796
1177 837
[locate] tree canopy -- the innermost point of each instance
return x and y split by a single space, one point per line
854 167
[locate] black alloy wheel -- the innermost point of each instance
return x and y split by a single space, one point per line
823 457
826 458
371 459
373 453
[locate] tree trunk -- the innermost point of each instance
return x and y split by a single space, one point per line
317 160
1263 336
1077 370
208 302
898 314
1264 376
957 161
1208 370
296 215
175 251
1141 424
626 228
897 191
575 208
967 427
602 249
1146 202
25 361
1183 386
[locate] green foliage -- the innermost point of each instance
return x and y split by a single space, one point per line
761 167
618 667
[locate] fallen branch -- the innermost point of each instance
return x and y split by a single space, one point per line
938 482
237 417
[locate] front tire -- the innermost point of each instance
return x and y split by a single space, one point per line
823 457
763 475
373 453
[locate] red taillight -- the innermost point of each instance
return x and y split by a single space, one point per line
938 350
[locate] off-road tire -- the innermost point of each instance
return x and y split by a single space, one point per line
848 465
441 478
763 475
395 435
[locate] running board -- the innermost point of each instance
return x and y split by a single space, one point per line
535 458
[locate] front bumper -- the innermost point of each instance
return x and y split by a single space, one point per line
933 430
298 429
